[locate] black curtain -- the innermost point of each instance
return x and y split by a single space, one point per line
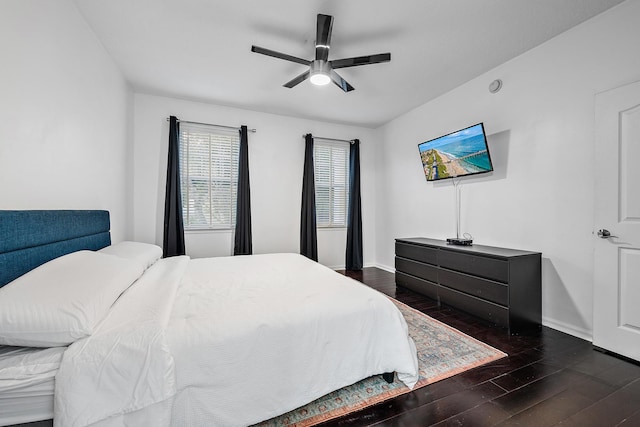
173 238
354 216
243 244
308 232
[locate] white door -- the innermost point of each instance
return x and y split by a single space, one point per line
616 308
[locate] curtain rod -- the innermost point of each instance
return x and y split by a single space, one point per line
350 141
211 124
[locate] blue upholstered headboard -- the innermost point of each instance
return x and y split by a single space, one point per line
31 238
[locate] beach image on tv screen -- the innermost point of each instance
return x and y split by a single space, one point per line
457 154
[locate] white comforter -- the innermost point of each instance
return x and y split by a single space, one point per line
230 341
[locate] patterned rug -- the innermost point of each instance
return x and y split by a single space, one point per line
442 352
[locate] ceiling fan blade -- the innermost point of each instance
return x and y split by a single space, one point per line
323 36
340 82
279 55
361 60
297 80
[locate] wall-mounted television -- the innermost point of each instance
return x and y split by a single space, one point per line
460 153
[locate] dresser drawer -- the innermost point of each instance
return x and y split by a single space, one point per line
421 286
476 286
417 253
481 308
490 268
418 269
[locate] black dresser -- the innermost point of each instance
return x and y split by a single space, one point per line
503 286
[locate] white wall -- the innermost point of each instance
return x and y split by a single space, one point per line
63 110
276 156
540 126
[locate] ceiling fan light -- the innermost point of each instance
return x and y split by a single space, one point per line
320 79
319 73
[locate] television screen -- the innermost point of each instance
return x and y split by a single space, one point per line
461 153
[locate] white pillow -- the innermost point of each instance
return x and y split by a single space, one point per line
144 253
63 300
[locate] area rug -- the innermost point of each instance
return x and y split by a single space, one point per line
442 352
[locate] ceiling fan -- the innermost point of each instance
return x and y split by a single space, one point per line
322 71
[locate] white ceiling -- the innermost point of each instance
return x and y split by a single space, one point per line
200 49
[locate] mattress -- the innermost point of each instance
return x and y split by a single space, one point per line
27 383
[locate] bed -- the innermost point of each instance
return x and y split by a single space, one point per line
115 335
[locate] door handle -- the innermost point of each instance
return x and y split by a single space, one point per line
603 233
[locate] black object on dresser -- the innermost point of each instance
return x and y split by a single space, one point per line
503 286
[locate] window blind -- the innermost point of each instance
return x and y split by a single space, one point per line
208 176
331 168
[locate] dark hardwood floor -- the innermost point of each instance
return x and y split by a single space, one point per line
550 378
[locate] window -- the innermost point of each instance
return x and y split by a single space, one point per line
331 164
208 176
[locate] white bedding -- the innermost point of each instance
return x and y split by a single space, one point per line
27 383
230 341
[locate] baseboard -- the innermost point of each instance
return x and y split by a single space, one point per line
384 267
567 329
342 267
551 323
